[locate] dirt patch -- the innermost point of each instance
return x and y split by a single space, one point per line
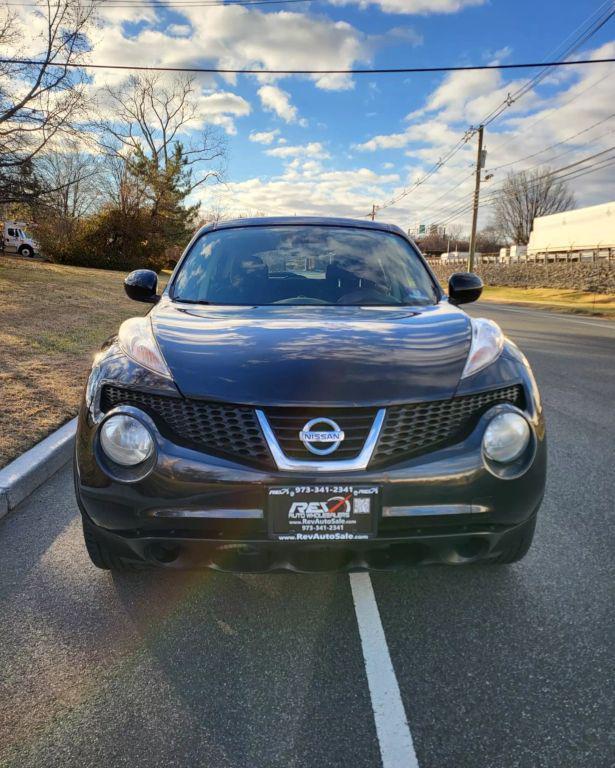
53 319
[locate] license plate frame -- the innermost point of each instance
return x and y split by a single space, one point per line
323 512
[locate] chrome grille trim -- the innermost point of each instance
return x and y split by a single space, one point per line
285 464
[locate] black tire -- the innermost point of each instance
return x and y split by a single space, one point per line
101 555
25 250
518 545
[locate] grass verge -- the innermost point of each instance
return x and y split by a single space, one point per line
53 319
577 302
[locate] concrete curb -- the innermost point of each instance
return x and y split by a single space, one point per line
24 475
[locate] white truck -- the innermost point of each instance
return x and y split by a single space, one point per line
15 239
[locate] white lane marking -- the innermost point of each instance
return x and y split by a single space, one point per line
594 323
394 737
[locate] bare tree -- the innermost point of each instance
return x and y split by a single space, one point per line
454 231
39 102
149 115
120 187
71 176
215 213
526 195
490 239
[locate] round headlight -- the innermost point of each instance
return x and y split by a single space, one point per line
506 437
125 440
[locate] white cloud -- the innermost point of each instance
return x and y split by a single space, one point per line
458 90
384 141
124 14
495 57
417 7
234 37
220 108
313 149
264 137
305 189
179 30
276 100
461 99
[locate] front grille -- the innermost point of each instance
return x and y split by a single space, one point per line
233 431
286 424
421 427
217 428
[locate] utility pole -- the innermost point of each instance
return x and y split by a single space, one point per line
373 213
480 162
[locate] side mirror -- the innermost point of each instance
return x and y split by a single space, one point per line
141 285
464 287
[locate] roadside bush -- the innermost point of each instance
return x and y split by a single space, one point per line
110 239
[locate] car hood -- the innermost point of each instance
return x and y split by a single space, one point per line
313 355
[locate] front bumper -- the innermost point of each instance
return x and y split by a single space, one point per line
465 544
198 510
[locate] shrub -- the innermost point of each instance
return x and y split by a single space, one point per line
110 239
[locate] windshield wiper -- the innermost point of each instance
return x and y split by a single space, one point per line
191 301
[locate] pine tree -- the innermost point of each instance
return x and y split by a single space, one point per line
166 186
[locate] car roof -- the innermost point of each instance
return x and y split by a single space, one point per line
297 221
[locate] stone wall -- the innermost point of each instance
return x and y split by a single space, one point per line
596 277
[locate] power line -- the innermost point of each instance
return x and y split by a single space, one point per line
461 203
592 24
265 71
526 128
607 163
565 173
552 146
452 189
559 107
447 207
493 198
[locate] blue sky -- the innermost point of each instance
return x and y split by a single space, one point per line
335 145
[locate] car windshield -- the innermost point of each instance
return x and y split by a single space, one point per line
296 265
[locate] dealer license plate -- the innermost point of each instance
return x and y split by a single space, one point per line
323 512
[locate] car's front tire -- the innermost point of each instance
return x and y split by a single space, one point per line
101 554
518 544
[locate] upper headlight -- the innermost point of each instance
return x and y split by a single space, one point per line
136 338
506 437
487 343
125 440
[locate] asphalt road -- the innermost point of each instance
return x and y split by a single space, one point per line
496 667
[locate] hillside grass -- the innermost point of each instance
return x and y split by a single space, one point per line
555 299
53 319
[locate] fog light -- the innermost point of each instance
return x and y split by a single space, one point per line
506 437
125 440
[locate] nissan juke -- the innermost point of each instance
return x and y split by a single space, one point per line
304 396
